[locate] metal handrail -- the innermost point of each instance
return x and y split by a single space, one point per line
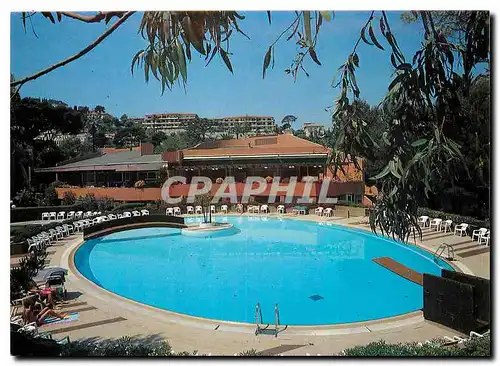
276 319
258 317
440 250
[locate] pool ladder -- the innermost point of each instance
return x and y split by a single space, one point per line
440 250
259 323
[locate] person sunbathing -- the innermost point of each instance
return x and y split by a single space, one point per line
37 314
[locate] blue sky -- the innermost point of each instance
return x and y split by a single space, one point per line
103 76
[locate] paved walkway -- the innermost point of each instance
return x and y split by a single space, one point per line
104 314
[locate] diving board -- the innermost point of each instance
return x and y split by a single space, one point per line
400 269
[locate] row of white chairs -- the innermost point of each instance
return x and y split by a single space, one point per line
321 211
46 238
482 234
196 210
457 339
71 215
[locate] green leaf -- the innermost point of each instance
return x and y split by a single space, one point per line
419 142
325 15
267 61
225 57
372 36
383 173
307 26
182 61
355 59
363 36
395 81
314 56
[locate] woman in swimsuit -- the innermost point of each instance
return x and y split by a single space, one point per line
33 315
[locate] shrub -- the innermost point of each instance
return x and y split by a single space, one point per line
351 204
26 197
104 204
22 274
128 206
50 195
475 347
69 198
457 219
87 202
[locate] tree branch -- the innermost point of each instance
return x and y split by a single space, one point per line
86 50
94 18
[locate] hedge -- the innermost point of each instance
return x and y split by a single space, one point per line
457 219
475 347
20 214
128 206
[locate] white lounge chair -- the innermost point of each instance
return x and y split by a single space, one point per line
198 210
328 212
478 233
485 238
45 216
423 221
177 211
60 215
190 210
69 228
127 214
145 212
136 213
319 211
212 209
264 208
435 223
52 216
169 211
461 229
281 209
446 225
223 209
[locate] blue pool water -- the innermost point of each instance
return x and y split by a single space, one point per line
318 274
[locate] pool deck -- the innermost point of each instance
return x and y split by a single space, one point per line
104 314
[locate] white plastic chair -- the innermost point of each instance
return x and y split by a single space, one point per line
60 215
198 210
69 228
423 220
281 209
45 216
435 223
461 229
478 233
52 216
264 208
112 217
223 208
71 214
318 211
145 212
78 214
169 211
127 214
190 210
328 212
485 238
446 225
119 216
136 213
177 211
212 209
239 208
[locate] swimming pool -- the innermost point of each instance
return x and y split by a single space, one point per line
318 274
